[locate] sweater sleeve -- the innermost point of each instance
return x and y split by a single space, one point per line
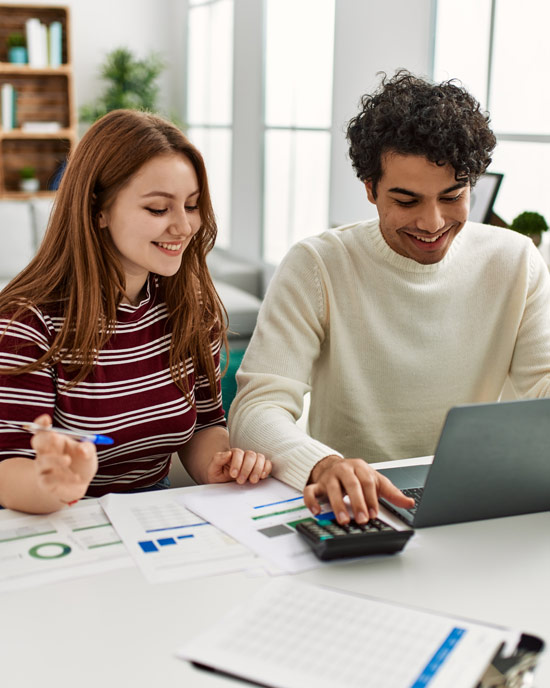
26 396
530 367
276 370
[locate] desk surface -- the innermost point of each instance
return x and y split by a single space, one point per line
116 629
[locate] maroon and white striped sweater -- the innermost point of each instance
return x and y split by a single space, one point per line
129 395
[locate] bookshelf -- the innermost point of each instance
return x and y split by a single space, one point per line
44 95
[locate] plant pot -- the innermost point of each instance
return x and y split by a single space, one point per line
536 238
29 185
17 55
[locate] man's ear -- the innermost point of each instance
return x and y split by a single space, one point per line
370 192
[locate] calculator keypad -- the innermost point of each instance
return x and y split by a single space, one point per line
330 540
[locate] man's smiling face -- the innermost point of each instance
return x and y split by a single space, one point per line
421 206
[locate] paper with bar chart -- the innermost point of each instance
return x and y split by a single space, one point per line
36 549
168 542
262 516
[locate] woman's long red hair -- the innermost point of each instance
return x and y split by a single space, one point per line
76 270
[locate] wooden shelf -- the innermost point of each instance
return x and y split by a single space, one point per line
36 135
12 68
24 195
44 94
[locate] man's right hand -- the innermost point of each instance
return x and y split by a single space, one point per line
333 477
64 466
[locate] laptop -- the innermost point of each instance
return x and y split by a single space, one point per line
491 460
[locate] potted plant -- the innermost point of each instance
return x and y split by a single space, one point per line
27 179
17 48
531 224
131 83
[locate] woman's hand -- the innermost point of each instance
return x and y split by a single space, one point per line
64 466
238 465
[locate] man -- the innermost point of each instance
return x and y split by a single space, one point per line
391 322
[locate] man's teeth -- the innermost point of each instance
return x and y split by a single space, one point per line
169 247
429 240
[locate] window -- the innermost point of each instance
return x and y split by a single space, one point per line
259 108
503 63
298 107
210 98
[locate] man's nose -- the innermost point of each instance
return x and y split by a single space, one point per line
430 219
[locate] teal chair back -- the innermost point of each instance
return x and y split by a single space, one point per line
229 384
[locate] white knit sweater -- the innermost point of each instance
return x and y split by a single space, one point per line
386 345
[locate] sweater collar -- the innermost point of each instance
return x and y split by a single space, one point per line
376 239
127 311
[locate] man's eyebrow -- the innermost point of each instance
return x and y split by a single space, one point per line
407 192
167 195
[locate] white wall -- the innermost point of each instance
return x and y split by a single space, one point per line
370 36
143 26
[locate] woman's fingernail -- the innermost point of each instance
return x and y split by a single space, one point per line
362 517
373 513
234 473
342 517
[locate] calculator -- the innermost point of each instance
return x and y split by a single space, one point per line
330 540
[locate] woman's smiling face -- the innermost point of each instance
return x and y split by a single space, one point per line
153 218
421 206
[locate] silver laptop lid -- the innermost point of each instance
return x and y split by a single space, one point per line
491 460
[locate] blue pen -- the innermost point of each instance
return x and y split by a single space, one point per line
35 427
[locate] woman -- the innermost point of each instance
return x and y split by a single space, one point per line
115 327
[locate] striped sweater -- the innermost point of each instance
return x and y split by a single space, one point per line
129 395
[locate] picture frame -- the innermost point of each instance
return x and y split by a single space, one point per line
483 195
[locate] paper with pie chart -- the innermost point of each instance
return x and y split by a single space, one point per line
36 549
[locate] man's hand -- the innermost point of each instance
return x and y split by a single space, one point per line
238 465
64 466
333 477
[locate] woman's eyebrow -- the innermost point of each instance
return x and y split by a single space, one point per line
158 193
166 194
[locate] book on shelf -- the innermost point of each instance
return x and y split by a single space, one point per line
55 44
8 102
41 127
44 43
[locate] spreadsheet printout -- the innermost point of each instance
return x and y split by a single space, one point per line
291 634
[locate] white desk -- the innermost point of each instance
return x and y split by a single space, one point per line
115 629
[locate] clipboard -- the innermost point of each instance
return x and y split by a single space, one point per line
292 635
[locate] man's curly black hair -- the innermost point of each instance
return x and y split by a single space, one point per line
410 116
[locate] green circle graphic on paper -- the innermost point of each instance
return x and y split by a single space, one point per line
49 550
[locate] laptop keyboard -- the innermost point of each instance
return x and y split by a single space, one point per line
416 494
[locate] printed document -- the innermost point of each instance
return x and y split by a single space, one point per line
168 542
291 635
261 516
76 541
